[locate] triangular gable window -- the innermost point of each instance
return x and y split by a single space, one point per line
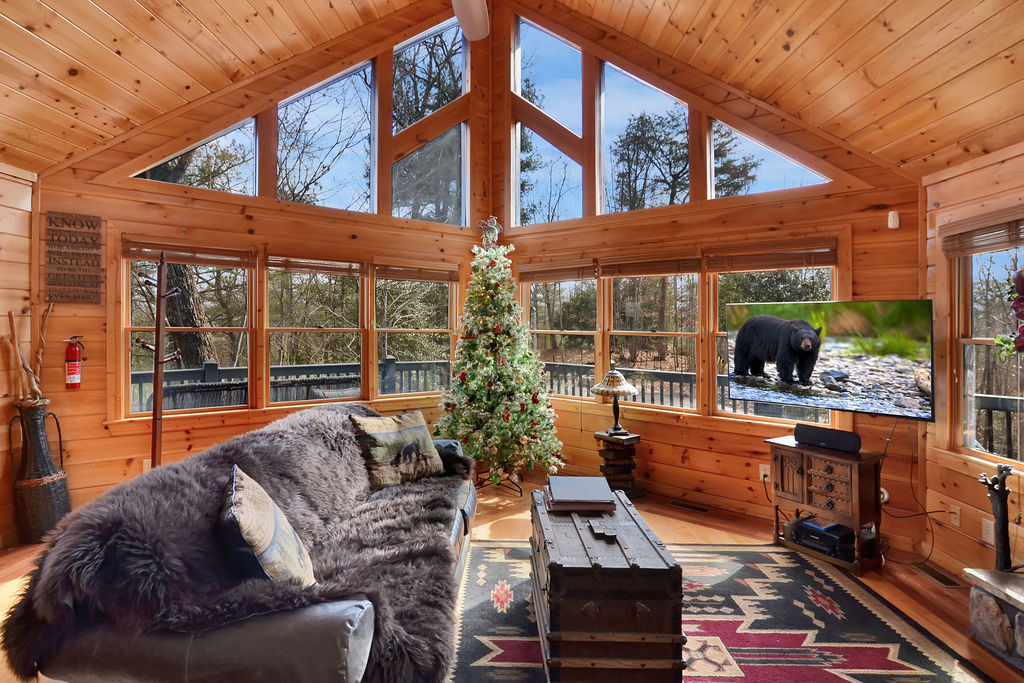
743 166
646 145
226 163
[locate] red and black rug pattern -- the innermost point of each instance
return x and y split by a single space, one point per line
750 613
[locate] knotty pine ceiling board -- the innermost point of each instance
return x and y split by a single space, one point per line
917 85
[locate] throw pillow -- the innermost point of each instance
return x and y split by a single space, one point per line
258 534
397 448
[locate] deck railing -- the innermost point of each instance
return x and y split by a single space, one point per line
212 385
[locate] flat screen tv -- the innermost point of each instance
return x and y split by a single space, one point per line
862 356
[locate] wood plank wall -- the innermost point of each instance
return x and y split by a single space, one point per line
15 250
713 461
992 185
709 461
100 451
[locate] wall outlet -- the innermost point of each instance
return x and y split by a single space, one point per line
765 471
147 465
954 515
988 531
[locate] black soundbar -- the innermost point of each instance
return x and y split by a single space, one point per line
823 437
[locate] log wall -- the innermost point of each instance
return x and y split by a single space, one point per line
990 186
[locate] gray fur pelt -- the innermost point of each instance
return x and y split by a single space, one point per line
147 555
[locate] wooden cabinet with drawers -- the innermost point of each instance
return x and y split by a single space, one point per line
835 488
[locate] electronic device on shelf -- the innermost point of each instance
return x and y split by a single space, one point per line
822 535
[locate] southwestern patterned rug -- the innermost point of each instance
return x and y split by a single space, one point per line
750 613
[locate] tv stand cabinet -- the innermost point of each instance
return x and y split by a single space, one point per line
834 487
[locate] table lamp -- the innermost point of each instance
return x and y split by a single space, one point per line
615 385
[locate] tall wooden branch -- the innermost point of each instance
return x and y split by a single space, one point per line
28 380
43 326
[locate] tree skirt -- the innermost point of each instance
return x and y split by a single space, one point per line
750 613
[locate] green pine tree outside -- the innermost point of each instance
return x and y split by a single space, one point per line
498 405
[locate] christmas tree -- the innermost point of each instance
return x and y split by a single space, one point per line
497 404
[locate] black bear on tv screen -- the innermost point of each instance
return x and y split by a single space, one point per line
862 356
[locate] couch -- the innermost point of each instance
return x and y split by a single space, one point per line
137 586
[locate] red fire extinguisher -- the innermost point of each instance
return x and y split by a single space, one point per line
73 363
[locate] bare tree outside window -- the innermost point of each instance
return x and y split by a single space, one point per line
324 144
226 163
428 75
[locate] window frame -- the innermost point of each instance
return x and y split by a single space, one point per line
963 336
258 330
834 241
695 335
595 335
375 331
147 251
302 265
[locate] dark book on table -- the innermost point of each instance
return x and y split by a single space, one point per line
568 494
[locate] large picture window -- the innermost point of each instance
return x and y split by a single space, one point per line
414 332
325 144
309 337
653 340
563 328
314 339
990 385
206 328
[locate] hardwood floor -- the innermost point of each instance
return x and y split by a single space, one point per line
501 514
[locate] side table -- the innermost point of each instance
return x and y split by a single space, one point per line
618 452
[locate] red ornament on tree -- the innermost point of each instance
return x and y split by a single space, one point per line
462 375
535 399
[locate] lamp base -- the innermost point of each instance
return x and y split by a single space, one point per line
617 430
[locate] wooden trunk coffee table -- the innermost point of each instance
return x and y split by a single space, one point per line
608 596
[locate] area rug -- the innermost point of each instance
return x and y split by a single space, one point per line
750 613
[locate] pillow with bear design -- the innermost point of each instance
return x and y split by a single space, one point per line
397 448
259 536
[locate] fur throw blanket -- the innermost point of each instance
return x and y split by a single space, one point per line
147 555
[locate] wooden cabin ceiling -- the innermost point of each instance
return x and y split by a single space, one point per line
920 84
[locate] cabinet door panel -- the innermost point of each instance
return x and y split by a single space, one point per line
789 474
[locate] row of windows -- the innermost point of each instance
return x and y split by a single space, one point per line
311 338
326 146
313 335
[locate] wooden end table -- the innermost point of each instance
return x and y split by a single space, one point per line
619 452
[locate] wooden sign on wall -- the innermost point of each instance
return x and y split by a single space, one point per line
74 257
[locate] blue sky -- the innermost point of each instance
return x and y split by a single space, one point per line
554 67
